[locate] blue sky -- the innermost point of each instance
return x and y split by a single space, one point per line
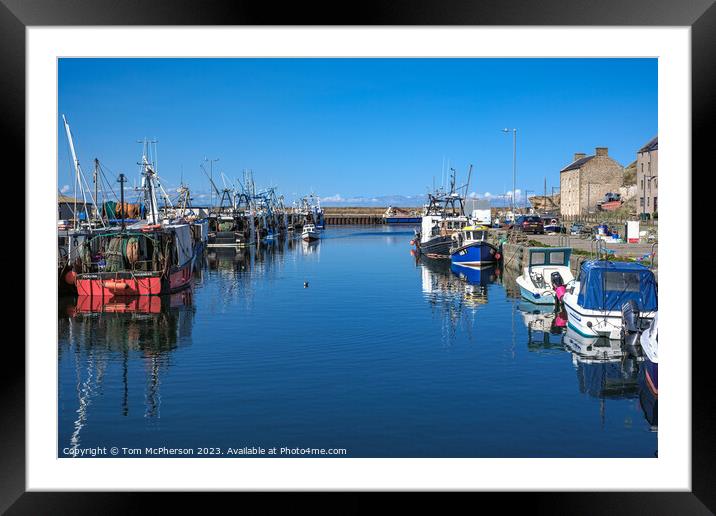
348 128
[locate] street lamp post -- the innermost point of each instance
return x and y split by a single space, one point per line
514 165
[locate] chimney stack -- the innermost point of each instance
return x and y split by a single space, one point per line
602 151
579 155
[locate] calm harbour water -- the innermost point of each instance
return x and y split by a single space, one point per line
381 355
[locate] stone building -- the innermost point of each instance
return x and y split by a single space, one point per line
647 172
585 181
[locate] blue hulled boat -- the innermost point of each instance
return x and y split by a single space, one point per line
470 248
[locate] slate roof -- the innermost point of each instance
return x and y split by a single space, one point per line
651 146
577 164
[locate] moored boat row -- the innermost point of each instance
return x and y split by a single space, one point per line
119 249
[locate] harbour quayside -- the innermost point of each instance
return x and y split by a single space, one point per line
444 215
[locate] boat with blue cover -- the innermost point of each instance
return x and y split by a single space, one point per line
470 248
595 300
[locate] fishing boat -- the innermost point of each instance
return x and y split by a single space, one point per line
149 257
317 212
142 259
400 216
546 275
594 302
226 229
650 346
470 248
444 215
310 233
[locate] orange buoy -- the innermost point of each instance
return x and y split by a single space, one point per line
70 277
116 285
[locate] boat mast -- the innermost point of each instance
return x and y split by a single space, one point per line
121 196
150 194
78 172
96 195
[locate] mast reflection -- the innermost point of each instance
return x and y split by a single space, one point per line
102 335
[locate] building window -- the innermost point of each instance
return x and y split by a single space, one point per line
642 184
656 204
641 201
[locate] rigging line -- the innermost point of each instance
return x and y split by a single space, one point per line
109 184
89 192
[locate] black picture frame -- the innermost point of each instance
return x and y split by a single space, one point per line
16 15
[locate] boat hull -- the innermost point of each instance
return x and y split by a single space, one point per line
403 220
475 254
436 247
651 371
127 283
538 297
594 323
649 345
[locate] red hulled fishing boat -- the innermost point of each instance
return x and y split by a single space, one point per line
148 260
149 257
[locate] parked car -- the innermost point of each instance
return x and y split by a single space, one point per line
529 224
576 228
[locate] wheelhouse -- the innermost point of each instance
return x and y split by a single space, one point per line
549 256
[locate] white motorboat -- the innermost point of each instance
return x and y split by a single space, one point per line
594 302
310 233
546 275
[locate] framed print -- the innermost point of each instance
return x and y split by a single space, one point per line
419 252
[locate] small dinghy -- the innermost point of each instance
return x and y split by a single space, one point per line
310 233
546 276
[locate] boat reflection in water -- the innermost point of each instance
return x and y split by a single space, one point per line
545 325
229 260
476 280
311 248
98 340
454 293
605 371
